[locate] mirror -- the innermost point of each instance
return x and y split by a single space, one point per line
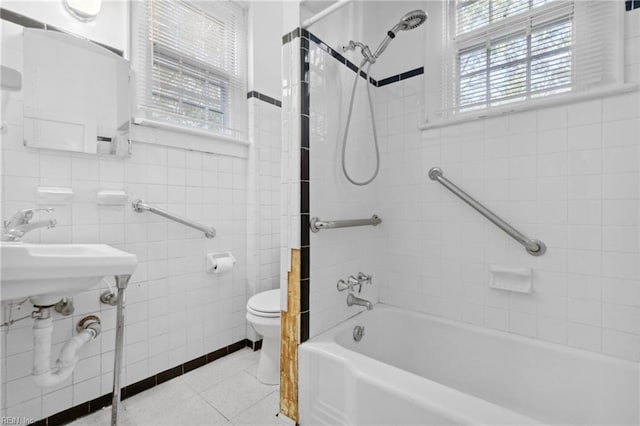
76 95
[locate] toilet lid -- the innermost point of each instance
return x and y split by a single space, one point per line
267 302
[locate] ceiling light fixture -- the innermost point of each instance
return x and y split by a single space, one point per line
84 10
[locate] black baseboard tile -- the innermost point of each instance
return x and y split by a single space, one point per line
137 387
212 356
169 374
238 345
194 363
69 415
255 346
100 402
86 408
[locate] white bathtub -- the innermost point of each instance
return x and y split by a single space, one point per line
413 368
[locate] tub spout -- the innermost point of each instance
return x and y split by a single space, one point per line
354 300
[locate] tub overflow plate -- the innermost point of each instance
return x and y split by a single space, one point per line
358 333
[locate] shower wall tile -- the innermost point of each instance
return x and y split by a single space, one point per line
568 175
336 254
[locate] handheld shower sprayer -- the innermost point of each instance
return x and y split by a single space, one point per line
411 20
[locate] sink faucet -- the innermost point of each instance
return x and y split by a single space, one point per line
16 227
354 300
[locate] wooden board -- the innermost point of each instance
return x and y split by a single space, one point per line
290 339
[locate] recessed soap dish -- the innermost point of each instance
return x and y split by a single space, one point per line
112 197
54 195
511 278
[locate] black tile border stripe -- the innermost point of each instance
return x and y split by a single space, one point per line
25 21
305 184
94 405
291 35
388 80
306 35
264 98
632 4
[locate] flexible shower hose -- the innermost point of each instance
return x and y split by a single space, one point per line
373 125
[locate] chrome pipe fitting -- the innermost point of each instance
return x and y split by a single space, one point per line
65 306
109 297
90 323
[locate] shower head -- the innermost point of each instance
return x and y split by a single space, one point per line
411 20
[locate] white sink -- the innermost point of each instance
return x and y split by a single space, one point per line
48 272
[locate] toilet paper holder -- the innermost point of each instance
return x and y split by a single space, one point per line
214 258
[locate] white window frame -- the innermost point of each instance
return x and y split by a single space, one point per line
233 128
521 28
440 101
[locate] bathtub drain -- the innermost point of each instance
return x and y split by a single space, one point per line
358 333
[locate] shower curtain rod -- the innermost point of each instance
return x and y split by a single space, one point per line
328 11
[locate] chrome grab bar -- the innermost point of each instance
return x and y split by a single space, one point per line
140 206
317 224
534 247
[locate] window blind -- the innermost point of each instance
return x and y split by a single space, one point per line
190 62
504 51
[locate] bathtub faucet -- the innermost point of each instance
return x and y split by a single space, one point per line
353 282
354 300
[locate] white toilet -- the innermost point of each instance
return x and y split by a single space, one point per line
263 312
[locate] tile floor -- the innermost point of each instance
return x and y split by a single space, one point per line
224 392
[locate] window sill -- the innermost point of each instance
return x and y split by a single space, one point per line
531 105
175 136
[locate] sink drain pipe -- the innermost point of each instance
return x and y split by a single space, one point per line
88 329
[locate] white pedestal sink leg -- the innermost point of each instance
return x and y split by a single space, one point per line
121 282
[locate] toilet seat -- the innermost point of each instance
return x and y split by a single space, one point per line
265 304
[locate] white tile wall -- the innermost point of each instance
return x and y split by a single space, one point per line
336 254
568 175
290 154
580 198
175 311
263 267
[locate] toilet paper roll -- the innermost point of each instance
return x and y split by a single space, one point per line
222 264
